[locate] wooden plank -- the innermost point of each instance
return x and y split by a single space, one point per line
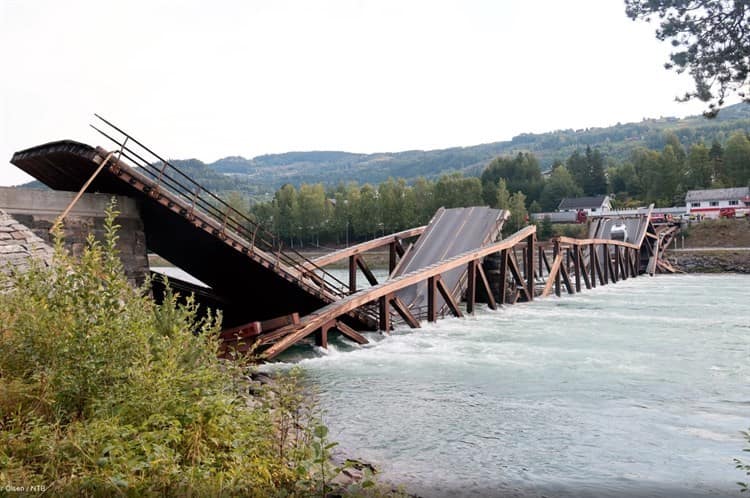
577 266
252 329
552 275
275 323
392 256
448 297
350 332
487 289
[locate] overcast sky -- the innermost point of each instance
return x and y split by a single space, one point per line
209 79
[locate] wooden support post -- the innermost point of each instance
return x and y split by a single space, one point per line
519 280
529 265
353 274
622 252
634 262
85 186
618 274
503 274
487 288
582 267
557 256
403 310
566 279
385 312
432 298
321 337
553 276
607 263
366 270
543 254
392 256
593 265
577 266
540 261
471 289
448 297
350 332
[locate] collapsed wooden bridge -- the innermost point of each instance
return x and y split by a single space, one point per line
273 297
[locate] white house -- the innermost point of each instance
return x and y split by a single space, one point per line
591 205
708 203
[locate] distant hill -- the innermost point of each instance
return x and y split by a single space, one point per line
263 174
616 142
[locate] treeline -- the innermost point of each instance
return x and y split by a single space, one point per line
349 212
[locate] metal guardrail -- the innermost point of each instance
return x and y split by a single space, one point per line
167 176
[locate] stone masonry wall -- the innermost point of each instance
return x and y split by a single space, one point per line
38 210
19 245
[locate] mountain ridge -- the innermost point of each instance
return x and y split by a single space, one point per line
616 142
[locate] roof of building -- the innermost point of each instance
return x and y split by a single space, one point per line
717 194
582 202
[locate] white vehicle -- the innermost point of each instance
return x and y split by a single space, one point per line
619 232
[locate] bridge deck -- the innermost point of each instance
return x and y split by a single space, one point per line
449 233
255 284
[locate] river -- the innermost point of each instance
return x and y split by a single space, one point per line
639 388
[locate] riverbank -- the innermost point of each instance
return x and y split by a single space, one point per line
705 260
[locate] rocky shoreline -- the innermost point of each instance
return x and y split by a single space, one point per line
718 261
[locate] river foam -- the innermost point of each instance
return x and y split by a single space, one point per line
634 389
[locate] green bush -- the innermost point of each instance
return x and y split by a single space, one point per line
104 392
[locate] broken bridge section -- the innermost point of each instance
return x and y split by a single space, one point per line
247 267
449 233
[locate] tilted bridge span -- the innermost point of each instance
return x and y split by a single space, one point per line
273 297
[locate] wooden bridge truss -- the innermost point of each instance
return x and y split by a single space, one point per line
306 299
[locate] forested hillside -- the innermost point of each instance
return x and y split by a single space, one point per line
269 172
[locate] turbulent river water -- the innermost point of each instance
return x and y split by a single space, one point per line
639 388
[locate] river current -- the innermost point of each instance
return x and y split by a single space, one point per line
639 388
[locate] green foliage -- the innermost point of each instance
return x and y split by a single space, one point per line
559 185
737 159
710 40
104 392
545 231
519 217
520 172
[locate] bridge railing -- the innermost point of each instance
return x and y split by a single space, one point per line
169 177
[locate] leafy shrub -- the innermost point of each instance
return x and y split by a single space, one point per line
104 392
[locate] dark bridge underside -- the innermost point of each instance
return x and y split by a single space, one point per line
251 291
